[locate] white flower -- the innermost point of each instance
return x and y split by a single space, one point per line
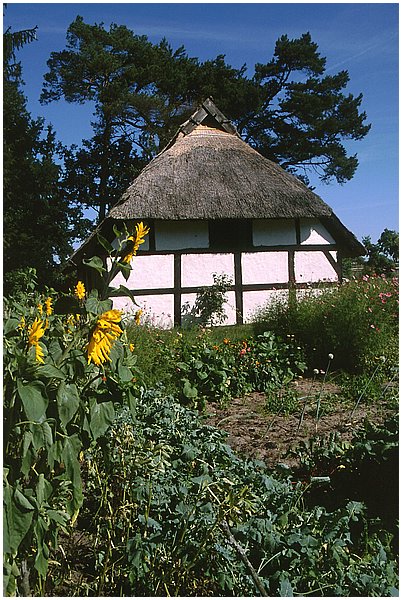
330 356
316 371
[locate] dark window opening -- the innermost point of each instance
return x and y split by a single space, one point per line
230 234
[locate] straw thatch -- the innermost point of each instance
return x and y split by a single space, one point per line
211 174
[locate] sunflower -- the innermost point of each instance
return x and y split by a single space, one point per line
35 332
103 337
140 232
49 307
79 290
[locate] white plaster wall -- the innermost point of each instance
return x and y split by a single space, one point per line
274 232
178 235
312 267
197 269
313 232
229 306
252 301
158 309
265 267
148 272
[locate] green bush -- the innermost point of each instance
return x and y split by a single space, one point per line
357 322
195 367
171 505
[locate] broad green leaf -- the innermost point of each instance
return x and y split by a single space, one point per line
102 415
22 501
42 436
68 402
50 371
97 307
33 399
286 589
41 564
71 450
10 326
16 522
43 490
189 391
122 290
125 269
95 263
105 243
124 373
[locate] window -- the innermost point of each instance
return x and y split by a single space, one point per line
230 234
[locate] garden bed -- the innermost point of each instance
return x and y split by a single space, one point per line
256 433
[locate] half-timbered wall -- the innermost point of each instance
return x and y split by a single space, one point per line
177 260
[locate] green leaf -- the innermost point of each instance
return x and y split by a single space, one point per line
122 290
16 522
102 415
33 399
124 373
41 563
10 326
105 243
68 402
22 501
71 450
42 436
286 589
50 371
97 307
117 231
125 269
43 490
189 391
95 263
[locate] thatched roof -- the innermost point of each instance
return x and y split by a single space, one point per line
208 172
211 174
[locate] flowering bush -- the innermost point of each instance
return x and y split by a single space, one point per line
67 363
357 321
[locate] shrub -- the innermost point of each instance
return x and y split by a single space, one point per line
357 322
173 504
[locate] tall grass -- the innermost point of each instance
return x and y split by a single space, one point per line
357 322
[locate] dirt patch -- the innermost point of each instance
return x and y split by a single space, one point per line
256 433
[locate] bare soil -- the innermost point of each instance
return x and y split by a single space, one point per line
256 433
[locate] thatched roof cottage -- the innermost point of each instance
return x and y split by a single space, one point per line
215 205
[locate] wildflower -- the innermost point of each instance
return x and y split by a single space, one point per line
104 336
79 290
49 307
215 347
226 341
132 347
40 308
137 316
330 356
242 352
316 371
35 332
21 324
140 232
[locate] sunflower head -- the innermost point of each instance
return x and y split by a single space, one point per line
136 240
79 290
103 337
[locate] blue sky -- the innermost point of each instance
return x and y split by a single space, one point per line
361 38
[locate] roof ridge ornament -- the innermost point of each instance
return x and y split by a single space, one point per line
207 108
